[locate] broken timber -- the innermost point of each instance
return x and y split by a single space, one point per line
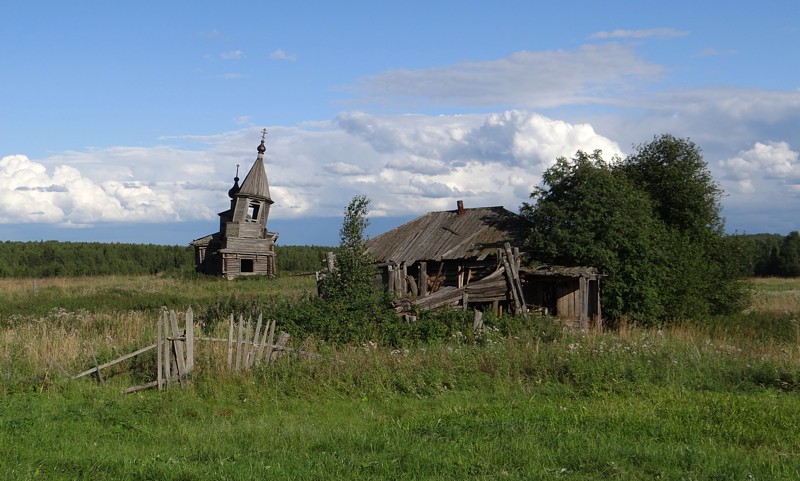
501 285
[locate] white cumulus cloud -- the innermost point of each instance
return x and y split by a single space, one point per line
407 164
28 193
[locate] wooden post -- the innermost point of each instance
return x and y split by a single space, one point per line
246 345
230 342
96 365
412 285
583 302
599 310
166 348
239 334
423 279
159 349
189 340
464 300
177 343
329 261
477 322
390 279
252 351
268 328
510 279
283 338
515 280
270 338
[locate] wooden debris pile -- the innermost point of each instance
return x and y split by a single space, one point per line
503 285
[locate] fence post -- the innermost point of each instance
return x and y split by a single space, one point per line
283 338
177 345
189 340
230 342
239 342
96 365
166 347
159 349
246 345
270 338
252 351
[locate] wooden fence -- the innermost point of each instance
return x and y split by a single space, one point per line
248 345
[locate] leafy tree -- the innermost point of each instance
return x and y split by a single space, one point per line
587 214
353 276
686 199
675 176
651 222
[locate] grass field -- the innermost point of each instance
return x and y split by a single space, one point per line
711 400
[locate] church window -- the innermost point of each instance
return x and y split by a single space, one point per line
252 211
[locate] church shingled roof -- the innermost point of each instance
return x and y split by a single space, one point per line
255 184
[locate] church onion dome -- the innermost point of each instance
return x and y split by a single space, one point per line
235 189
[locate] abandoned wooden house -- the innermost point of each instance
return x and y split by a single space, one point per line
464 257
243 246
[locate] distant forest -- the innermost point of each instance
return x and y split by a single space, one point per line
768 255
763 255
53 258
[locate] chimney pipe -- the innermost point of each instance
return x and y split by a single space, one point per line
460 205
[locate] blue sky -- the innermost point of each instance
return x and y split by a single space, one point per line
125 121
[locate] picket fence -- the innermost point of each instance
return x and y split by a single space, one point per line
248 344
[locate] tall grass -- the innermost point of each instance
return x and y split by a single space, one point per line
710 400
23 299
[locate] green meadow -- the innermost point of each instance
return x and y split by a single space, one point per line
711 399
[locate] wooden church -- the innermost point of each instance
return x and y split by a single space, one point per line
243 246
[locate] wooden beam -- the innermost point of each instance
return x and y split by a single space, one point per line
115 361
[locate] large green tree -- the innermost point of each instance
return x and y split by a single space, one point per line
587 214
676 178
651 222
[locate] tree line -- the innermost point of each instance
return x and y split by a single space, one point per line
771 255
54 258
